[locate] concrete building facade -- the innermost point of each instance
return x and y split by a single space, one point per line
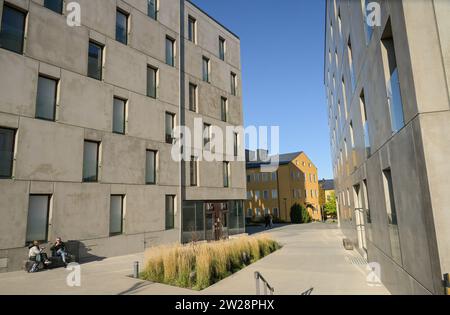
387 84
295 181
86 125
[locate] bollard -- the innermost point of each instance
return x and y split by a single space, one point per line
136 270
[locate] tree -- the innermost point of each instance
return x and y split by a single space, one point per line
330 206
299 214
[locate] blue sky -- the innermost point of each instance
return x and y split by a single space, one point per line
282 69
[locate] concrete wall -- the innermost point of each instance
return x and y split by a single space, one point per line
49 155
415 154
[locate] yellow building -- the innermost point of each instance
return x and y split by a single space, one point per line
295 181
326 189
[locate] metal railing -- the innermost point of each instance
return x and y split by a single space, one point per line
268 290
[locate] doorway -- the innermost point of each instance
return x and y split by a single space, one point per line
216 221
359 219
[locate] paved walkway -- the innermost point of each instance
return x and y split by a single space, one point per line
312 257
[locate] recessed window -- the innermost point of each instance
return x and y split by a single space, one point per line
170 125
150 167
369 28
90 161
226 174
95 61
194 171
122 27
207 137
193 97
350 63
13 29
236 144
170 212
119 113
222 48
46 98
224 108
192 29
54 5
7 139
116 215
206 69
170 51
233 84
365 122
152 81
37 220
152 7
274 194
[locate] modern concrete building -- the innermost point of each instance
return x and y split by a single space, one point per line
86 125
295 181
387 83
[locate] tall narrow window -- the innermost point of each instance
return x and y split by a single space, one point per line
150 167
54 5
170 125
46 98
368 26
365 123
236 144
192 29
224 108
206 69
367 202
152 9
7 138
116 215
344 98
193 97
226 174
350 64
90 161
222 48
152 81
193 171
37 221
170 51
170 212
392 216
122 27
207 136
339 20
13 29
392 80
352 139
95 61
119 113
233 84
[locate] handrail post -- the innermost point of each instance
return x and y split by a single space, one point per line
447 284
258 291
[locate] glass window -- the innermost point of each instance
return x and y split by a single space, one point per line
150 167
274 194
12 29
122 27
222 47
369 28
170 51
192 97
192 29
233 84
95 61
152 79
90 161
152 9
7 137
46 98
170 212
236 144
206 69
226 174
37 221
193 171
207 136
224 108
170 125
265 194
116 215
365 123
350 63
119 112
54 5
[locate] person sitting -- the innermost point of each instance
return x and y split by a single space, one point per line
36 255
59 250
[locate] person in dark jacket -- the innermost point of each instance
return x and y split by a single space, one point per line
59 250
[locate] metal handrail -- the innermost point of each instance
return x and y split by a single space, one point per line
259 278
